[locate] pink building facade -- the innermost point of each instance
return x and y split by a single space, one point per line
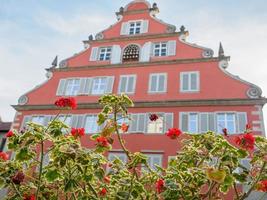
162 73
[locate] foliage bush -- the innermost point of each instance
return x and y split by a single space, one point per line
206 167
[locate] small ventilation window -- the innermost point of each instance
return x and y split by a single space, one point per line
131 53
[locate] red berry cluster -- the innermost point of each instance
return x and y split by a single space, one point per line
102 141
9 134
18 178
66 103
174 133
245 141
29 197
153 117
77 132
103 192
160 185
262 186
3 156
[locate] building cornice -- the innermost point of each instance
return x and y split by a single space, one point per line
133 38
158 104
139 64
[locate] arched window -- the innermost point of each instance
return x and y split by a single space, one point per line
131 53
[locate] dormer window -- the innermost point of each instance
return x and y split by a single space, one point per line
105 53
160 49
131 53
135 28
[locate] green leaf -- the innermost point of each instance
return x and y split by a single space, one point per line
2 183
242 153
52 175
24 154
71 184
101 119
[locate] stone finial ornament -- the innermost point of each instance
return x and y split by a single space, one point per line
90 38
182 29
221 51
54 63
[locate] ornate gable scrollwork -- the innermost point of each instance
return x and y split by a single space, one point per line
23 100
63 64
208 53
171 29
254 92
99 36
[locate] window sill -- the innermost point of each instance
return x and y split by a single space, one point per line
188 92
152 93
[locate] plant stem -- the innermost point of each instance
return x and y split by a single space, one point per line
93 190
16 189
40 169
118 134
254 183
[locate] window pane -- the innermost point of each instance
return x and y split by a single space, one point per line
153 85
193 123
130 85
99 85
91 125
155 126
161 85
123 84
193 81
185 82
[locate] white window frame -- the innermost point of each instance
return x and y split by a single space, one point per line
165 83
188 125
74 88
189 73
98 92
160 48
196 121
118 155
38 116
135 27
94 116
127 83
219 129
106 54
152 165
163 121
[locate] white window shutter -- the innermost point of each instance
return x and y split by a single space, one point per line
125 28
184 82
94 54
88 86
204 118
146 52
61 87
47 119
133 123
131 84
142 123
172 48
168 121
184 121
80 121
212 126
116 54
82 86
145 24
110 83
26 119
74 121
241 121
122 84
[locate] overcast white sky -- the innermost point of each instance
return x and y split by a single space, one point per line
33 32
